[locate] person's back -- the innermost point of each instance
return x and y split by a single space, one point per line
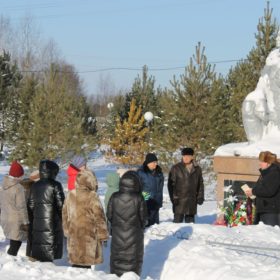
127 213
45 208
13 208
112 180
84 222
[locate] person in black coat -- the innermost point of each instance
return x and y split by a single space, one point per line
267 190
126 212
152 181
186 187
45 210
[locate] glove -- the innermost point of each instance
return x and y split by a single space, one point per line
146 195
200 201
24 227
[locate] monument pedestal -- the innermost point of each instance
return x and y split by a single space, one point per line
234 169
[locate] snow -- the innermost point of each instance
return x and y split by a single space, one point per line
172 251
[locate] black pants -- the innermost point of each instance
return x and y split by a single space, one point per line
179 218
271 219
153 217
81 266
14 247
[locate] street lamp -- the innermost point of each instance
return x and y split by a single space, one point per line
110 105
148 116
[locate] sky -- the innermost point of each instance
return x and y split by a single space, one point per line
125 35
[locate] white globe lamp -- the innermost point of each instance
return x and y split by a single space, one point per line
110 105
148 116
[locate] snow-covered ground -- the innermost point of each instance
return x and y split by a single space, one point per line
172 251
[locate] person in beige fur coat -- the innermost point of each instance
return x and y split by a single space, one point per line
84 222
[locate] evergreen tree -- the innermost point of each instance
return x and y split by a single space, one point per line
128 143
144 93
20 141
9 102
56 118
219 115
193 93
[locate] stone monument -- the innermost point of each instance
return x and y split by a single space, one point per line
237 163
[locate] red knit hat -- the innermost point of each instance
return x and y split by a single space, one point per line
16 169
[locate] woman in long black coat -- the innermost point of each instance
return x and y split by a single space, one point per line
127 214
45 210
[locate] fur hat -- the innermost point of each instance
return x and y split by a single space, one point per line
187 152
16 170
150 157
78 161
267 157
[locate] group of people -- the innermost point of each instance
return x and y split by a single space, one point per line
35 209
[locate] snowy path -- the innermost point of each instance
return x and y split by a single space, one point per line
172 251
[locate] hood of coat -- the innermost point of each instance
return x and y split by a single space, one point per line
9 182
85 180
113 180
48 169
130 182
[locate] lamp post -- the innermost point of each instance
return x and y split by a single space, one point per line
148 116
110 105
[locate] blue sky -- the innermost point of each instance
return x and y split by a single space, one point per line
95 35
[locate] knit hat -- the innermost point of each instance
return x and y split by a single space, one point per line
150 157
78 161
267 157
187 152
16 169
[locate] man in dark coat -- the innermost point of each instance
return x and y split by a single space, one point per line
126 212
45 208
152 181
186 188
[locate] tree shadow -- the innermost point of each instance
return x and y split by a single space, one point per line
157 252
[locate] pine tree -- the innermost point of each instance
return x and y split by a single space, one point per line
56 119
193 93
9 113
19 142
128 143
144 93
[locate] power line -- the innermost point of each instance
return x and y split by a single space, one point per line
154 69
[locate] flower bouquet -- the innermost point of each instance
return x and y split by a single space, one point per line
236 211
